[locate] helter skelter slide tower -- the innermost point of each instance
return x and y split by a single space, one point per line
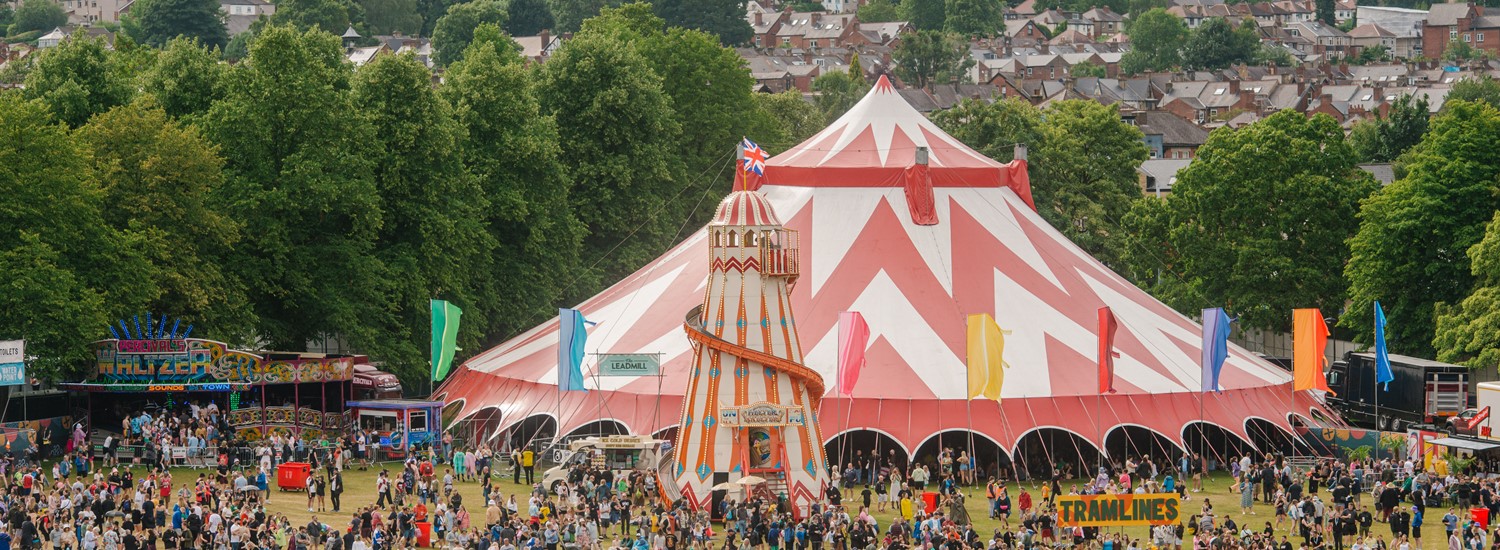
751 405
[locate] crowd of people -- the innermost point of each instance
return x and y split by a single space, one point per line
120 495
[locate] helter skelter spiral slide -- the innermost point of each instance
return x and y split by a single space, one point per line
750 407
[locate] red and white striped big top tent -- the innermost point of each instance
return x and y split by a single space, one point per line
914 248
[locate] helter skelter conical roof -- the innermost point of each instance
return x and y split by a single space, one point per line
914 248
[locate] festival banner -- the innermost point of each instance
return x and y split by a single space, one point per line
1118 510
12 362
629 364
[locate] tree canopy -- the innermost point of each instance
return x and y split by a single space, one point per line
1156 41
1257 223
925 58
37 15
618 132
78 79
163 20
299 159
1448 194
878 11
1386 137
1468 332
968 18
1217 44
456 29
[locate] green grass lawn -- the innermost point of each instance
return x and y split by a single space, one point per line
360 491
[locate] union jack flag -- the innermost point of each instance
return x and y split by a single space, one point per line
754 158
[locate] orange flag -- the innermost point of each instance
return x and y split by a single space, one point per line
1309 338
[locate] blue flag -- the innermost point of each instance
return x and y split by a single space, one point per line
572 335
1215 346
1383 373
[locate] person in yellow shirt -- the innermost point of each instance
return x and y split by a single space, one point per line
528 463
906 507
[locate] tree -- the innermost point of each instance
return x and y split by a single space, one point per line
837 92
1217 44
392 16
163 20
1156 40
186 80
456 29
66 271
512 150
160 178
707 83
1084 176
331 16
1385 138
1087 69
925 58
7 16
724 19
993 128
792 118
239 46
1259 222
1274 55
927 15
38 15
1461 51
571 14
299 161
528 17
1326 12
983 18
1467 332
1443 202
1373 54
1476 88
434 242
489 33
78 79
619 138
878 11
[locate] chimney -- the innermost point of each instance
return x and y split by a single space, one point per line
546 35
758 21
817 17
1234 87
1043 48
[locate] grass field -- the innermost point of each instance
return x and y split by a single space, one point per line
360 491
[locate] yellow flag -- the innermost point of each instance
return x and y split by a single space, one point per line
986 357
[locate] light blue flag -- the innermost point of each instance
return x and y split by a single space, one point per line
1215 346
1383 374
572 336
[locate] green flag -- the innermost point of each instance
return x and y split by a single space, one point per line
444 337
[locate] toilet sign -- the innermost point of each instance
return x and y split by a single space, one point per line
12 362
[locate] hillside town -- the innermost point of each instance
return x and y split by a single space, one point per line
1037 57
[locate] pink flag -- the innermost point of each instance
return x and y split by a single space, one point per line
853 335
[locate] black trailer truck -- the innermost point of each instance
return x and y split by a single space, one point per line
1423 392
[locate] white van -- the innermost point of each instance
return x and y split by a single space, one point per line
620 453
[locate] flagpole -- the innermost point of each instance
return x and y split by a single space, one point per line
969 401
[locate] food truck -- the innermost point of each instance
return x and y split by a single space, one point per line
620 453
401 425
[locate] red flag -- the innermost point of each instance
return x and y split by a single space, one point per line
1107 355
853 335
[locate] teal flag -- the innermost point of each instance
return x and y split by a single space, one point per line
445 318
572 335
